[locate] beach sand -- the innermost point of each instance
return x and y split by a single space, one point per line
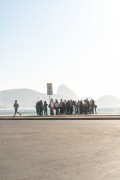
59 150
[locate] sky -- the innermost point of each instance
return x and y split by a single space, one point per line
70 42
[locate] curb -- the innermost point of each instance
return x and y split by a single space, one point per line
66 117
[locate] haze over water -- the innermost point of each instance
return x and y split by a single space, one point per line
32 111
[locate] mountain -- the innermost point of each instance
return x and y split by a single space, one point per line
27 98
106 101
66 93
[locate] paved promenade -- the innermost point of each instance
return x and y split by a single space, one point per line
59 150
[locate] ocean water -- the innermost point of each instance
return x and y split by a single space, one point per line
24 112
108 110
32 112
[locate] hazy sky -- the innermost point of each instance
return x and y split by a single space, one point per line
72 42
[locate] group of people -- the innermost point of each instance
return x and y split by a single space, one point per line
66 107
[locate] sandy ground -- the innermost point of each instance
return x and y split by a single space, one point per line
60 150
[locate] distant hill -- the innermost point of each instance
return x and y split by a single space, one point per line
27 98
66 93
106 101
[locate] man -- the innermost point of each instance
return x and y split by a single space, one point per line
16 105
61 106
56 107
52 105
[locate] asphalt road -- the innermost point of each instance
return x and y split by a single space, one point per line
60 150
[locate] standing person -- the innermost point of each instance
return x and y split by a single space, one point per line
16 106
51 105
57 107
65 107
61 106
41 108
71 107
78 107
68 106
74 107
81 107
92 106
37 107
45 108
95 108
